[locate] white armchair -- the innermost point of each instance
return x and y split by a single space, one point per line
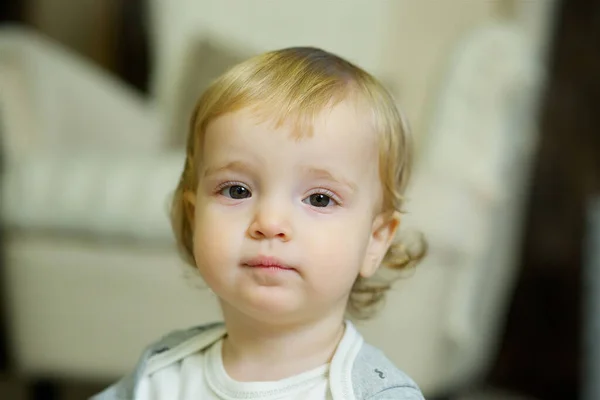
89 244
84 193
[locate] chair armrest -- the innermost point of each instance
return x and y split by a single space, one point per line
92 194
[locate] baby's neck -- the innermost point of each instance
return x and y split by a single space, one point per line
255 351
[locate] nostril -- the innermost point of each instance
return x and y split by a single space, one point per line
268 229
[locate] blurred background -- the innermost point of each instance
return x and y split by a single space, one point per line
504 101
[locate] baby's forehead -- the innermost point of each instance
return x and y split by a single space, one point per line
340 140
349 115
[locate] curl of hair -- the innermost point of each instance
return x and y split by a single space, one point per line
368 295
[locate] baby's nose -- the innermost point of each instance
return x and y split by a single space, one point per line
271 223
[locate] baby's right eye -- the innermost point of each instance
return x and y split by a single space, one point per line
236 192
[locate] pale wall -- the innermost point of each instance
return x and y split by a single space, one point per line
420 36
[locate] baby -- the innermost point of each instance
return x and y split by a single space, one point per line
288 203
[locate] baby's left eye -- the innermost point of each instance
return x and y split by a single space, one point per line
319 200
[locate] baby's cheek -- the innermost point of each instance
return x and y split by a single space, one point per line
211 241
336 254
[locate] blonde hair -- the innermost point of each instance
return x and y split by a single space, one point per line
294 85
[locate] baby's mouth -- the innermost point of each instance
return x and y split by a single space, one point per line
267 262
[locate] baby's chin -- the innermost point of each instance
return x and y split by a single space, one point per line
269 304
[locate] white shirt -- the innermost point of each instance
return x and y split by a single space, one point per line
202 375
187 364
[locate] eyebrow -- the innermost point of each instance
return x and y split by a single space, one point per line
325 174
236 166
320 173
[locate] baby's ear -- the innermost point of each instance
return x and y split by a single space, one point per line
383 232
189 205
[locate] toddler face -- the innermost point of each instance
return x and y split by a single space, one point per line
284 225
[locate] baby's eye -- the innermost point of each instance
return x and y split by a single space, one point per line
236 192
319 200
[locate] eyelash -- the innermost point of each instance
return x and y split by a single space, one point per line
335 198
225 185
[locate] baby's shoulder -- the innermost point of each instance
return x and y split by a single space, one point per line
168 349
374 376
176 338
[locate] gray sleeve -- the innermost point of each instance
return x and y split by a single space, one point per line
398 393
375 377
125 389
